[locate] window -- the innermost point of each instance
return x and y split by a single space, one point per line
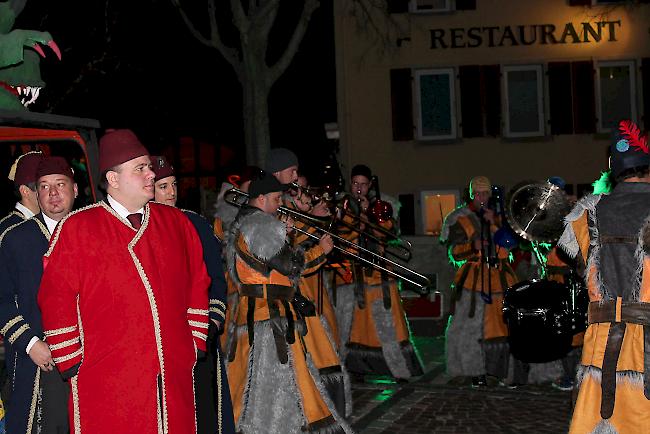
524 110
615 93
436 205
424 6
435 104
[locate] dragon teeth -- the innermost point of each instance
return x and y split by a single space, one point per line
28 94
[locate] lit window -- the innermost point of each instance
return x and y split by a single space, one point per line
424 6
615 93
435 104
524 107
436 205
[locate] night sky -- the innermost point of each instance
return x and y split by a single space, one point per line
146 72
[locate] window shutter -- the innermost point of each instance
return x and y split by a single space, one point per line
560 94
584 97
401 104
645 80
465 5
492 95
397 6
407 214
470 100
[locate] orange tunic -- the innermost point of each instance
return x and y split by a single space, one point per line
630 408
246 371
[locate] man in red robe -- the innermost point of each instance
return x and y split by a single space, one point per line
124 301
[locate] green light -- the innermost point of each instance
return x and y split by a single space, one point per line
380 380
452 261
384 395
542 259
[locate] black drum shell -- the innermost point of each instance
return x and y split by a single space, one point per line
539 318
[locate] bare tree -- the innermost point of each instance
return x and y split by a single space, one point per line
253 20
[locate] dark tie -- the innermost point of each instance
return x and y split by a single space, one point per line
135 220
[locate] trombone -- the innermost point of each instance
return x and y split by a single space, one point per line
391 243
236 197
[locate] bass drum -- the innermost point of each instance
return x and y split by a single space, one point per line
540 320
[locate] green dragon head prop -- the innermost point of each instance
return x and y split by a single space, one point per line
20 75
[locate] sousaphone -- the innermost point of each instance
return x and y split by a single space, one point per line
536 209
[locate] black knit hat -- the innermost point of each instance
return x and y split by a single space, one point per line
265 184
279 159
361 169
628 148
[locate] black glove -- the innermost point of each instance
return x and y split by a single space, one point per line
303 305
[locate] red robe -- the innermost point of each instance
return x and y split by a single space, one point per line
129 309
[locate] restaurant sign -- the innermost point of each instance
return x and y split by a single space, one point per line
529 34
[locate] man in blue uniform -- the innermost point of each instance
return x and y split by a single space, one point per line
23 174
38 396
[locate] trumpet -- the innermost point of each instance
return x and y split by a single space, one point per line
387 240
237 198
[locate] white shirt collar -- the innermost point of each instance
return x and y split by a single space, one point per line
23 209
51 224
120 209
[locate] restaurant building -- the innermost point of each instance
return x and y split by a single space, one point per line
433 92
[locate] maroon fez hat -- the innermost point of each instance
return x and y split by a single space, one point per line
161 167
54 166
117 147
23 171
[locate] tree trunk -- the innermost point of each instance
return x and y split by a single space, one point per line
256 123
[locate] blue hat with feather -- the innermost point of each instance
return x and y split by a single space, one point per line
628 149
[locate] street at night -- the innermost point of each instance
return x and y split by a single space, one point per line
435 403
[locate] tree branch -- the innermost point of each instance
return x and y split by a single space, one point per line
283 63
239 18
373 19
215 40
264 19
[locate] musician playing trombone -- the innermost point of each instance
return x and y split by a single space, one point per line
372 323
320 320
477 335
269 367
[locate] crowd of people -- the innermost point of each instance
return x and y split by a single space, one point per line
603 252
132 315
115 315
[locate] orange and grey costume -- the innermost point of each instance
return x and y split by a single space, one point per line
476 335
275 386
372 322
609 237
321 340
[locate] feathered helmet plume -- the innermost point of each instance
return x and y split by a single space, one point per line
629 148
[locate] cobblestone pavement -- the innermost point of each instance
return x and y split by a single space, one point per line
435 403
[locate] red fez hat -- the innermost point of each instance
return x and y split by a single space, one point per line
23 171
117 147
161 167
54 166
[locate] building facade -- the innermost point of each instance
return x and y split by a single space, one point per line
433 92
